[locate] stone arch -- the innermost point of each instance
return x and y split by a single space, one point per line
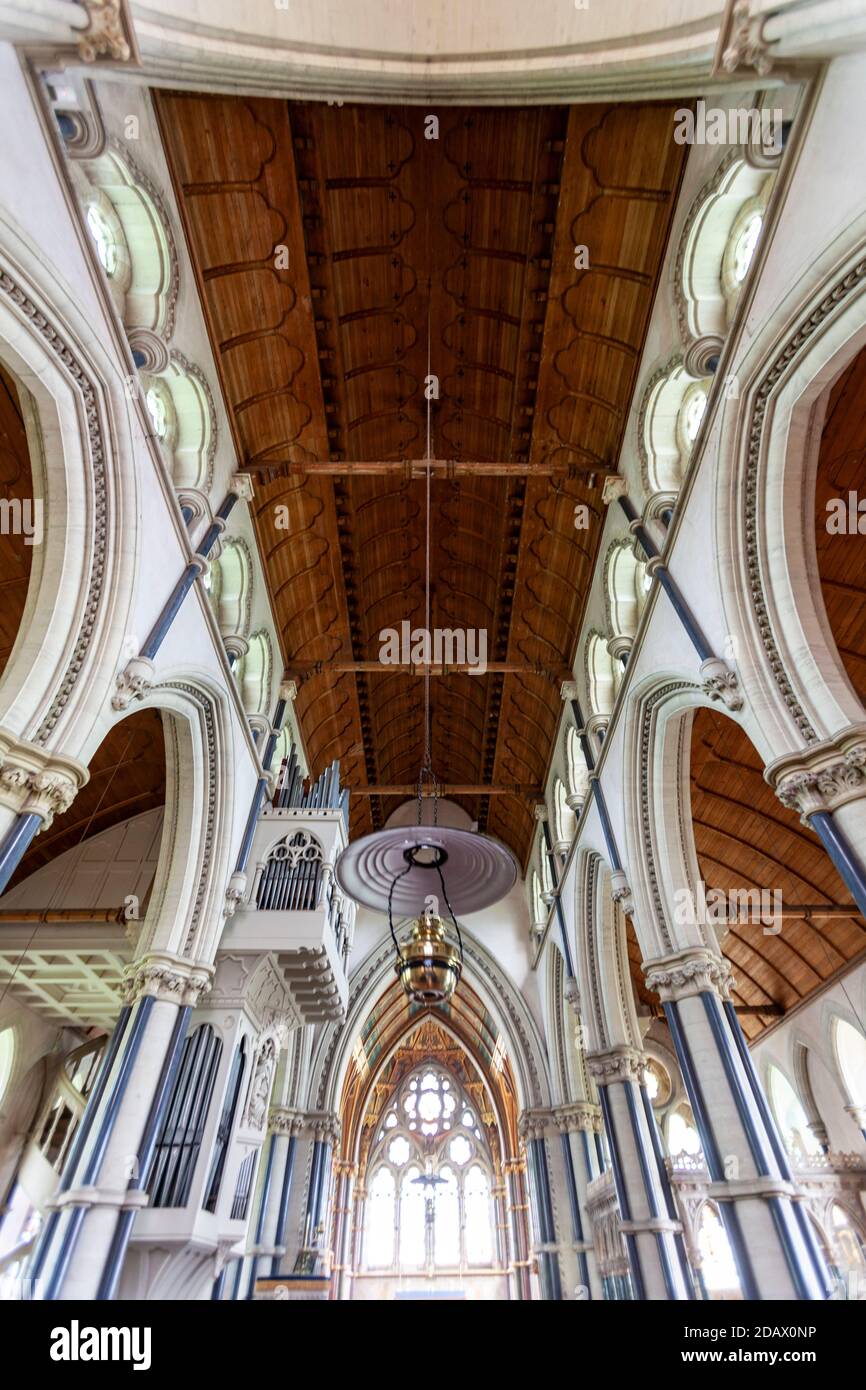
569 1077
332 1051
607 996
621 595
665 439
231 587
660 854
714 856
564 819
256 674
768 462
185 914
189 441
600 679
576 767
150 289
703 308
75 621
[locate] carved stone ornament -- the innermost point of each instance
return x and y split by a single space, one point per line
109 33
579 1115
235 893
133 682
689 973
621 892
166 977
720 682
824 777
282 1120
572 995
741 43
536 1124
613 488
620 1064
35 781
568 690
260 1090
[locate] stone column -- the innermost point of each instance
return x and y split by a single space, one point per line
344 1174
97 1207
35 786
322 1131
578 1125
534 1125
284 1125
775 1250
518 1211
651 1233
826 785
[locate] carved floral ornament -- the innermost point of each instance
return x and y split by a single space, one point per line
34 781
109 34
620 1064
166 978
824 777
694 972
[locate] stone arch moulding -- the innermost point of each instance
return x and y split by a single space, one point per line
185 914
767 472
332 1053
76 617
609 1016
660 852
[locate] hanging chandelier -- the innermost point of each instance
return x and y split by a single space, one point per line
412 871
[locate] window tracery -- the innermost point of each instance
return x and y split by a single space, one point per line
430 1185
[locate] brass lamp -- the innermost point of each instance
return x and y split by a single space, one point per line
428 966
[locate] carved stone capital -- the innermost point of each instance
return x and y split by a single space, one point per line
166 977
235 893
689 972
539 811
620 645
236 645
289 691
858 1115
151 349
242 485
741 43
536 1124
621 892
322 1125
619 1064
36 781
137 677
720 682
579 1115
261 725
568 690
824 776
613 488
572 995
597 724
109 35
283 1120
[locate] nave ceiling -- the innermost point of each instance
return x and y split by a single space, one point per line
404 256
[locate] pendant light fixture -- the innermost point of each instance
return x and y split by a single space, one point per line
411 870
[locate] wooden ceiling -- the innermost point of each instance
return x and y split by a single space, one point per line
16 483
127 777
342 257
